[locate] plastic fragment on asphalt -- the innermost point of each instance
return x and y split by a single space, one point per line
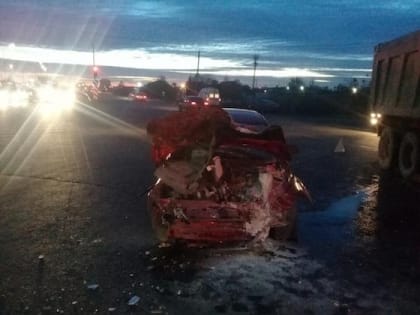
41 257
134 300
112 309
93 286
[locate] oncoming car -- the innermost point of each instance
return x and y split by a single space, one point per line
210 95
189 101
138 96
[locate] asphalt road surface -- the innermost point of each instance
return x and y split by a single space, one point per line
75 235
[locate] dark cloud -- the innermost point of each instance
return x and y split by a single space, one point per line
299 32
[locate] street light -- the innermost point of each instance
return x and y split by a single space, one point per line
183 87
11 47
95 70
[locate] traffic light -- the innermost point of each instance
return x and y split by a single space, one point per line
95 70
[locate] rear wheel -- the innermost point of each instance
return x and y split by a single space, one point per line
408 155
161 229
387 148
287 232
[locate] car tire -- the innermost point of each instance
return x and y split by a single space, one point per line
409 155
288 232
387 148
161 230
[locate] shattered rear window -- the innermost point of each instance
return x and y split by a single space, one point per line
247 118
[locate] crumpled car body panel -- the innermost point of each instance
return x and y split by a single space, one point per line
202 220
220 186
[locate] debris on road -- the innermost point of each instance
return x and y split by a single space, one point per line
217 184
93 287
133 300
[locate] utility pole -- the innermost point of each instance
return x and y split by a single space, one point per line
93 55
255 69
95 69
198 64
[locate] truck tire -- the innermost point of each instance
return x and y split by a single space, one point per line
387 148
408 155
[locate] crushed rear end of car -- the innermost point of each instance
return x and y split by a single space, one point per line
218 185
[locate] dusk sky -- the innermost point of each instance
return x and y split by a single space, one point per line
320 40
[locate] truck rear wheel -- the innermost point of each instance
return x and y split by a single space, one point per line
408 155
387 148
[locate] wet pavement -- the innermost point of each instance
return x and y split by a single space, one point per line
76 237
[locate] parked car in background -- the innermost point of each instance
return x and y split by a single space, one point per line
189 101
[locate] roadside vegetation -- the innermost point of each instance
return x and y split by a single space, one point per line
296 98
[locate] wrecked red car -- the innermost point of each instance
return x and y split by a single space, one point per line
217 183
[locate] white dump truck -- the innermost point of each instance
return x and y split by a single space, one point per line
395 103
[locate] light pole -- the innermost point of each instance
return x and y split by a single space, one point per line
10 48
198 64
256 57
